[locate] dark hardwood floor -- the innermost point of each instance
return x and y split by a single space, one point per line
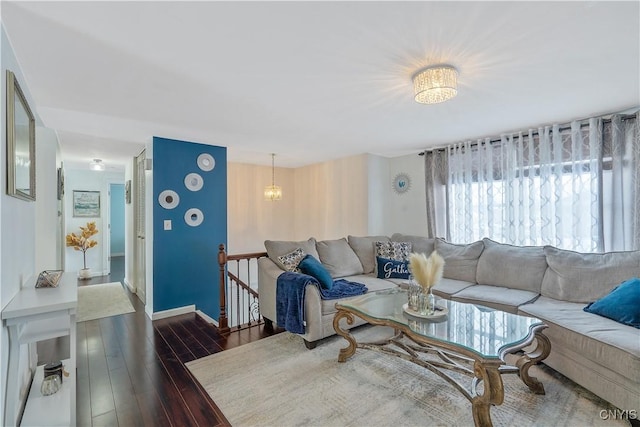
131 371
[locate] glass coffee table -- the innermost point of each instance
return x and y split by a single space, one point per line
469 339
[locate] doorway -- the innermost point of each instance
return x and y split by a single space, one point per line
116 232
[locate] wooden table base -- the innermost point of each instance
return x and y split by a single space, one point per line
449 357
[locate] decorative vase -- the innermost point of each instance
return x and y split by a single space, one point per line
414 292
427 302
84 274
431 302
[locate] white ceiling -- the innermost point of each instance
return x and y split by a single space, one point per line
314 81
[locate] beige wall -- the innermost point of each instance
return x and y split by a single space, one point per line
329 200
252 219
407 212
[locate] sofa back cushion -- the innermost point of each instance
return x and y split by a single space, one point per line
365 250
580 277
515 267
460 261
276 248
338 258
419 244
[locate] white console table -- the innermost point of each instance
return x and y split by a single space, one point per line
35 315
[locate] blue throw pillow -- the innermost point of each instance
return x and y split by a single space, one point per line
622 304
311 266
392 269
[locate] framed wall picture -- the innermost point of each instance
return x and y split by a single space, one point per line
60 183
86 204
21 140
127 191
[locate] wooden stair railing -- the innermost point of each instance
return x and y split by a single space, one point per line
234 282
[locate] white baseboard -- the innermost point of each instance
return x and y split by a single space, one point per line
173 312
128 285
206 318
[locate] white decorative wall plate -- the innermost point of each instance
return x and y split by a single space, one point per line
168 199
206 162
193 182
401 183
193 217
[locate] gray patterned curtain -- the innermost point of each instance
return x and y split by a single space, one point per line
621 186
436 171
575 186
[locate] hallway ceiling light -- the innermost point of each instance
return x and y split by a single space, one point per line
97 165
273 192
435 84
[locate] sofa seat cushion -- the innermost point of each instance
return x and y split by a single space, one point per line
460 261
497 297
602 340
516 267
447 287
371 282
276 248
338 258
364 247
579 277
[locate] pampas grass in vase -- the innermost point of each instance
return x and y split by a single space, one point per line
426 271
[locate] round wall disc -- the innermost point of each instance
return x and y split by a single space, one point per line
206 162
168 199
193 217
193 182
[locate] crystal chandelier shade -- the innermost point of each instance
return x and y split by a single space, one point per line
436 84
273 192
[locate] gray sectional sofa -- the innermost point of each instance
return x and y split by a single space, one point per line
551 284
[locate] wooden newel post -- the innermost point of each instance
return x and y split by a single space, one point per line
223 323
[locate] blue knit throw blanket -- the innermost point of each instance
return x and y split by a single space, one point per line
290 292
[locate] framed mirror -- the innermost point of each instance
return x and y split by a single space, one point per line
21 143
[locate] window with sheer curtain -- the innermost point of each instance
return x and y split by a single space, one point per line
575 186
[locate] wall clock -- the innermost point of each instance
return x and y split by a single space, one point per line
401 183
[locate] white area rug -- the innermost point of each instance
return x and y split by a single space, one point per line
104 300
278 382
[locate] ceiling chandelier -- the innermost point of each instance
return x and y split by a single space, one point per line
273 192
435 84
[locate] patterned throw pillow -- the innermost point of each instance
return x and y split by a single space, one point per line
292 259
397 251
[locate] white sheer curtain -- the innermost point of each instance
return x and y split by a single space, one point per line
574 187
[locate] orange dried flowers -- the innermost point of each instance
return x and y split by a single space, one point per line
82 241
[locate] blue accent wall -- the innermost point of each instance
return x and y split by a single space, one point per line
116 214
185 268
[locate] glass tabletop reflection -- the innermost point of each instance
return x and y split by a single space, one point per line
480 329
